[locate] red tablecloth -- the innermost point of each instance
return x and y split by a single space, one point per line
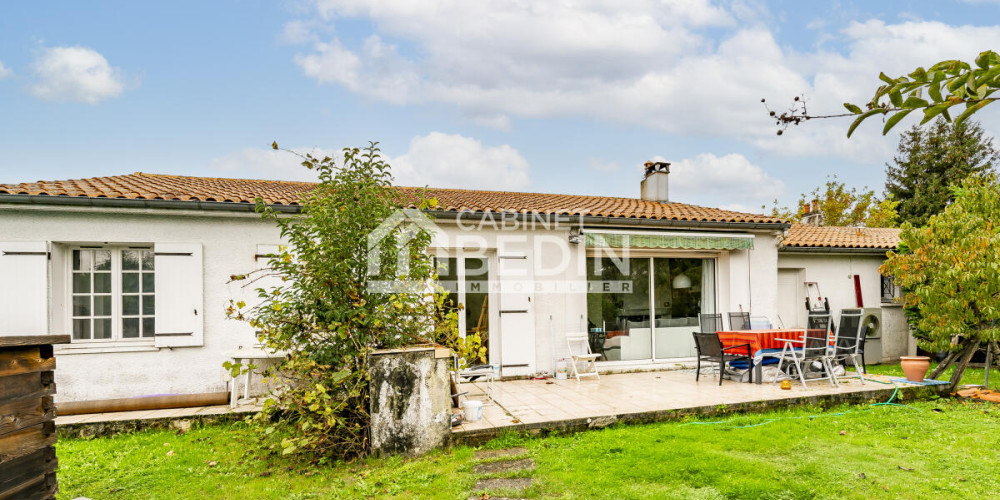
760 339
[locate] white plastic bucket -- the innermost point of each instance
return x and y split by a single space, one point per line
561 370
473 409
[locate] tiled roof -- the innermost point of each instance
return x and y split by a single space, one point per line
141 186
807 236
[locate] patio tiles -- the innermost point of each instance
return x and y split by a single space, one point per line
553 403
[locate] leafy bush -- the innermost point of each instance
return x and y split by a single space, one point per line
328 317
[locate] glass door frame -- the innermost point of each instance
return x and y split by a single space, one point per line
493 312
653 254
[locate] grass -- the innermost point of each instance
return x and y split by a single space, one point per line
935 449
219 462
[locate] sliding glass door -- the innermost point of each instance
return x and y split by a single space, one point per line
682 289
646 307
618 308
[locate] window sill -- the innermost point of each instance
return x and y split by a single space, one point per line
891 304
95 348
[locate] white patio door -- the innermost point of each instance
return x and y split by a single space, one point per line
468 279
517 316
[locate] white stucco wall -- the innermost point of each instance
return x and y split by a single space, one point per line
229 245
743 278
835 275
230 241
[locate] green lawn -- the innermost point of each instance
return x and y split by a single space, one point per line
936 449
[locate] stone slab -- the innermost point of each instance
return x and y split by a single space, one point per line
517 484
508 452
503 466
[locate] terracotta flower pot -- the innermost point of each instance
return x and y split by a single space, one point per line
915 367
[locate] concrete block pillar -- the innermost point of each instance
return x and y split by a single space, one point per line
410 400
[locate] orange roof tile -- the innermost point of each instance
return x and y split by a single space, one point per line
142 186
807 236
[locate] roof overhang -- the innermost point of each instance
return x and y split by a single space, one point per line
608 221
84 201
836 250
466 215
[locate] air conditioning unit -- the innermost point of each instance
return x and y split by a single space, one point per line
872 318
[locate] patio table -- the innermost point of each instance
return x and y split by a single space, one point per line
762 343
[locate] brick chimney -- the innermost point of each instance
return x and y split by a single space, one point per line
655 185
813 215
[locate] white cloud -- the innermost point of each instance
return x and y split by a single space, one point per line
683 66
4 71
435 160
378 71
729 181
450 160
75 74
260 163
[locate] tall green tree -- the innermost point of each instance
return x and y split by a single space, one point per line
930 160
842 206
950 271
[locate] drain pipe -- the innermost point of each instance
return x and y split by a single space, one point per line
153 402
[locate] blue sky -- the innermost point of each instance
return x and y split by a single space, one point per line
567 97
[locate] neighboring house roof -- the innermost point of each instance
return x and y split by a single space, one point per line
838 237
142 186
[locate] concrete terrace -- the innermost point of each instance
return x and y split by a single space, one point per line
539 406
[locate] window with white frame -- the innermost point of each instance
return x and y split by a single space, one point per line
112 294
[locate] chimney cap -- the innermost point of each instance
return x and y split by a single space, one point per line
657 166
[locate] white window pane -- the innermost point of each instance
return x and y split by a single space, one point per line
81 260
102 282
130 328
102 328
81 283
148 325
147 260
130 260
148 305
102 260
130 282
130 305
81 305
81 329
148 280
102 305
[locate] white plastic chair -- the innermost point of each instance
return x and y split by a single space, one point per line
583 355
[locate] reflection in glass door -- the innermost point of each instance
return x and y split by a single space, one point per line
618 308
467 281
682 288
646 308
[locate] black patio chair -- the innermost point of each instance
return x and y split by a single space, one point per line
710 349
848 345
710 323
597 338
739 320
813 346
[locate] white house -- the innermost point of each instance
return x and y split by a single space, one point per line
136 268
